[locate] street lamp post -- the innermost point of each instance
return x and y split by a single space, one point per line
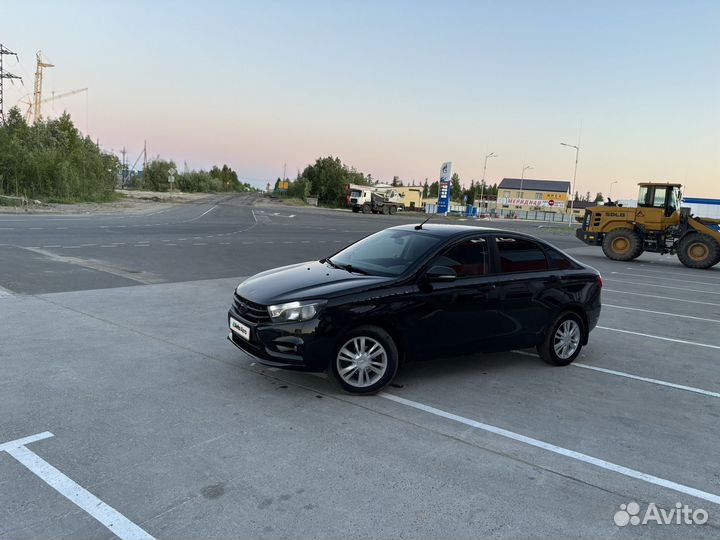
572 189
482 185
522 179
611 185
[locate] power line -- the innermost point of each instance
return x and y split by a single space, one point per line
5 75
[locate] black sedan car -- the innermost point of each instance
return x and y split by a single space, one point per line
417 292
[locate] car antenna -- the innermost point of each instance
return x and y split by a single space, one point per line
419 227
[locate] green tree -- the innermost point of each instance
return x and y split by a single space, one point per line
433 192
426 189
327 179
156 173
456 193
599 197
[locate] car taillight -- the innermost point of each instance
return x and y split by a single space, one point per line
599 281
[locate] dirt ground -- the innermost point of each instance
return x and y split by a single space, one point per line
134 203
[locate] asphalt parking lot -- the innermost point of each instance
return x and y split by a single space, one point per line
144 422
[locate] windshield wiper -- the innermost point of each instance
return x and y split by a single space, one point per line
327 260
351 268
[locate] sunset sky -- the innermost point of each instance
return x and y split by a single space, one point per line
391 87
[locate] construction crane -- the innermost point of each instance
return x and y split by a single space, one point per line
29 112
37 93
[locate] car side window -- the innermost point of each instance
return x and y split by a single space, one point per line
469 258
519 255
557 260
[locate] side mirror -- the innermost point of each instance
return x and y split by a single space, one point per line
440 273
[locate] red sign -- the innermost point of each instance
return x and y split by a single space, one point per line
551 203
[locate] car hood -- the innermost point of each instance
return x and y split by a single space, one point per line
304 281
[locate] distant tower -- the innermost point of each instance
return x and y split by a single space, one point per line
4 75
37 93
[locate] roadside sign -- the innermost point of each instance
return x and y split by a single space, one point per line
444 188
551 203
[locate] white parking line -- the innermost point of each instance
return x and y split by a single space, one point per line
674 299
663 338
631 376
113 520
649 380
662 313
664 278
667 273
660 286
601 463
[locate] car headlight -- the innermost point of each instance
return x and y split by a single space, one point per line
295 311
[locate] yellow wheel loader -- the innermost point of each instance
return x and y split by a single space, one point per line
657 225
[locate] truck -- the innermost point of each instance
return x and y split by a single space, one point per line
658 224
368 199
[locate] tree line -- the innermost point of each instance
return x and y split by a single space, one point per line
327 177
52 161
157 173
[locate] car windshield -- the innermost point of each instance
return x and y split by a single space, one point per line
386 253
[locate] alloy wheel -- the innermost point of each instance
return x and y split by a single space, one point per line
566 339
362 361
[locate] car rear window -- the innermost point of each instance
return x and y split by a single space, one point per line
519 255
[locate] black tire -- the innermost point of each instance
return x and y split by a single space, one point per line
345 358
393 210
548 351
698 250
366 208
622 245
385 209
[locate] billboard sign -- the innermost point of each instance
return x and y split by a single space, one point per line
541 203
444 188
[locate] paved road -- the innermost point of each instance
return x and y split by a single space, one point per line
221 236
120 353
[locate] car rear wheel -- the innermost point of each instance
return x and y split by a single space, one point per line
366 360
563 342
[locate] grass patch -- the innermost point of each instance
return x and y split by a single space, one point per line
292 201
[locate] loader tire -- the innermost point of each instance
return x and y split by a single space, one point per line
698 250
622 245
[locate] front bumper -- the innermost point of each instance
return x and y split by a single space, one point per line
301 346
590 238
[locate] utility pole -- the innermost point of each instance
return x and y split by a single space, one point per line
284 172
123 170
5 75
37 94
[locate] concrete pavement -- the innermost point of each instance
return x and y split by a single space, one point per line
154 413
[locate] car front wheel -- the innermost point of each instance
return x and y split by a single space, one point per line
563 342
365 361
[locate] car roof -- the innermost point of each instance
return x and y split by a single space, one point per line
447 230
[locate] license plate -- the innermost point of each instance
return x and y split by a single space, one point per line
239 328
